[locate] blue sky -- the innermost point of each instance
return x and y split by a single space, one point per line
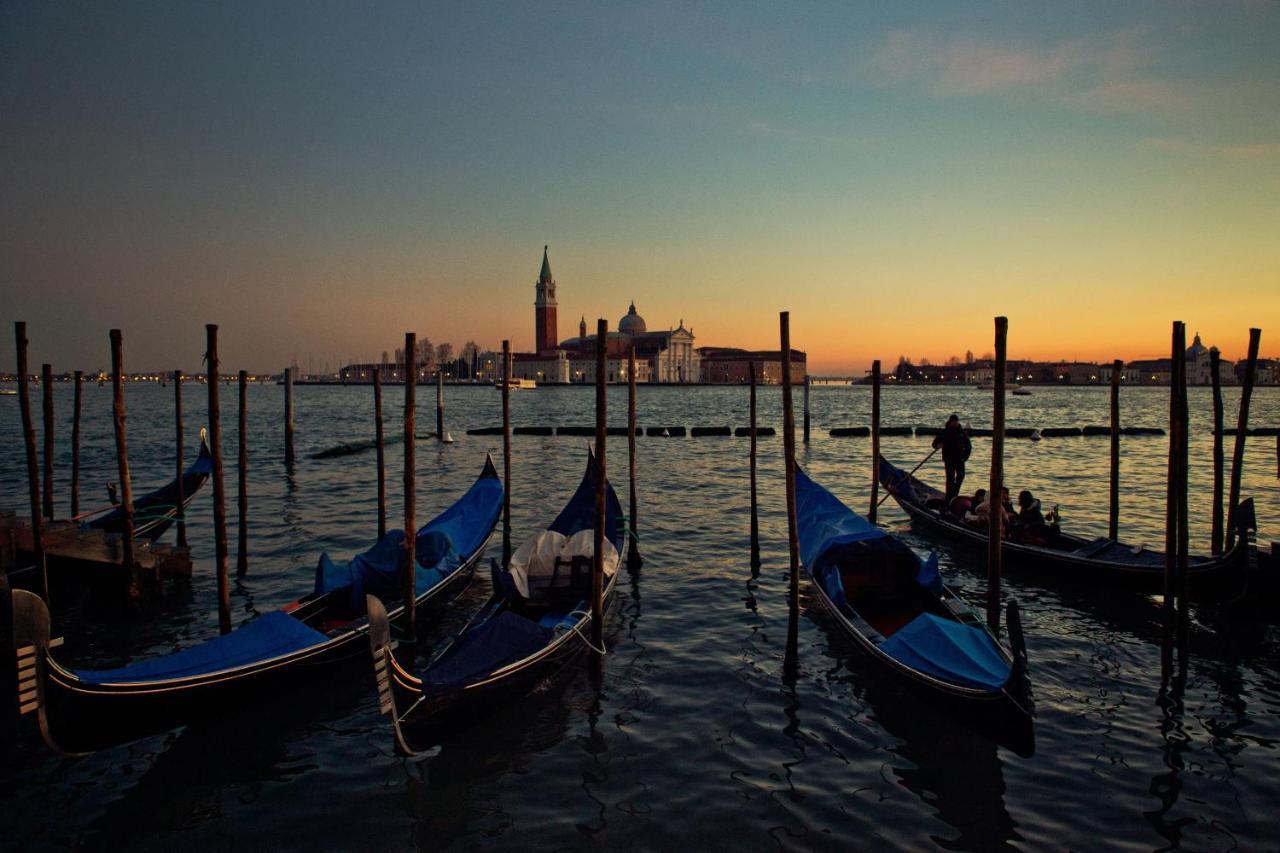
318 178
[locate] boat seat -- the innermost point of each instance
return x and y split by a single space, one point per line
565 587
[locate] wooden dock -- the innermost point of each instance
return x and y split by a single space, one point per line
69 546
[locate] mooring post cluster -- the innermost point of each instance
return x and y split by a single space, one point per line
219 485
75 444
790 659
46 382
122 458
875 441
995 531
506 452
633 547
177 422
242 478
288 417
1242 426
33 465
602 433
410 486
380 445
1175 603
1113 503
755 517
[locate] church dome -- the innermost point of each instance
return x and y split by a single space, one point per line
1197 349
633 323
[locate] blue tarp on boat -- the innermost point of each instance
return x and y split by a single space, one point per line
831 534
487 647
824 522
441 548
580 512
949 651
270 635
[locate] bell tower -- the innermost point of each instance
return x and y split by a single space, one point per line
544 309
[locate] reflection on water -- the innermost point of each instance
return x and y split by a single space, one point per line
691 737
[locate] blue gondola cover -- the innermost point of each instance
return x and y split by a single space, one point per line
500 640
831 534
270 635
440 547
950 651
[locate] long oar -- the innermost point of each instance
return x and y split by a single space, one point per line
913 470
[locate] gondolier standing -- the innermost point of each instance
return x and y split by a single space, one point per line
956 448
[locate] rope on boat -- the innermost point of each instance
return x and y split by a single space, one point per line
626 523
577 629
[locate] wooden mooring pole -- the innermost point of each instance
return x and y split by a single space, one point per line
633 546
1215 534
1184 543
219 486
1242 426
440 404
178 461
75 442
33 464
288 416
755 515
875 440
808 381
506 452
410 488
380 443
791 658
1113 513
995 531
242 479
1177 363
602 432
46 383
122 457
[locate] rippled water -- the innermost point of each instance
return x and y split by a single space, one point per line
692 738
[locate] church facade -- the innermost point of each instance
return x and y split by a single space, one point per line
662 356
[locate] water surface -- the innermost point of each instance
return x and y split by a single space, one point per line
692 737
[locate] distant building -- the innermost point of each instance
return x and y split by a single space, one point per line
667 357
729 366
1150 371
1199 362
1267 371
544 309
1077 373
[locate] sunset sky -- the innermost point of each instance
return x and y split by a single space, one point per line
319 178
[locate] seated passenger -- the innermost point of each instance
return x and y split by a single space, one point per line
979 511
1030 526
960 505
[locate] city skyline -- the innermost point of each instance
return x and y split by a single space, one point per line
894 177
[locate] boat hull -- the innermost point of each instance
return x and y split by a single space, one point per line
1225 576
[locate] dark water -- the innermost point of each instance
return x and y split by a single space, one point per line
692 738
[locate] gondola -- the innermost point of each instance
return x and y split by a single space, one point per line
155 511
536 621
80 710
1099 561
897 609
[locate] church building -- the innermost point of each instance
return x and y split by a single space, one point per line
663 356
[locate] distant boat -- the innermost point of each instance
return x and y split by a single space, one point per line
517 384
8 392
1021 392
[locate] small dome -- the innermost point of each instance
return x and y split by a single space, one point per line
633 323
